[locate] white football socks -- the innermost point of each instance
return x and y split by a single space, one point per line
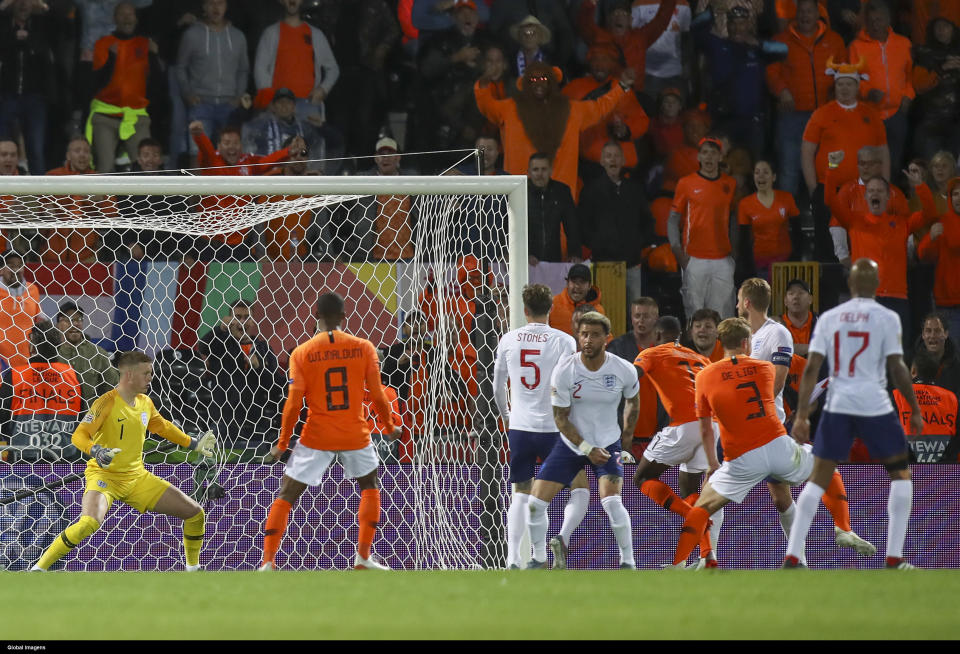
516 526
786 519
574 512
538 522
899 505
717 521
806 509
620 523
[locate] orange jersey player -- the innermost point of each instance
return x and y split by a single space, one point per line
330 372
738 392
673 368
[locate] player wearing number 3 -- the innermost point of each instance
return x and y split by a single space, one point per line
330 372
861 342
113 433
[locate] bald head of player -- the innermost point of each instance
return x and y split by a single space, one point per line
667 329
329 312
864 278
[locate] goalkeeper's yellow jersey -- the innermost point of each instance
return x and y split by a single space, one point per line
112 423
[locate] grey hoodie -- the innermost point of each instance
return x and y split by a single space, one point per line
213 64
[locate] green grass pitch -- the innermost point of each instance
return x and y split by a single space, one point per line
481 605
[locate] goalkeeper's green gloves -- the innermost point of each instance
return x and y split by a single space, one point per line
103 455
205 444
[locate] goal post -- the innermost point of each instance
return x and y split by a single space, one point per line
445 490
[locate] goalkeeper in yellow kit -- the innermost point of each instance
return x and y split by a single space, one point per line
112 433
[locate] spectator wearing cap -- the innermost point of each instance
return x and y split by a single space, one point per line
212 69
617 30
941 246
27 79
798 315
800 84
842 125
549 205
449 63
666 128
734 78
90 361
506 14
123 65
542 119
580 290
532 36
888 65
702 233
614 219
626 124
721 11
295 55
271 129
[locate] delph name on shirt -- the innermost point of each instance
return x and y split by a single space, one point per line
854 316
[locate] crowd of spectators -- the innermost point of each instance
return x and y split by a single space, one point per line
699 143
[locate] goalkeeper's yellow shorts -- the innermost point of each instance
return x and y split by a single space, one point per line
141 491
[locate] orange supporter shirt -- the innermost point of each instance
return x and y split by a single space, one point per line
128 84
717 353
801 334
65 245
771 225
884 239
19 308
704 208
833 127
331 372
738 393
394 236
672 368
285 236
294 67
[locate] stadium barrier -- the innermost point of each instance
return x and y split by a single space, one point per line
322 529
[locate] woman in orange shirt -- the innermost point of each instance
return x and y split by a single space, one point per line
769 221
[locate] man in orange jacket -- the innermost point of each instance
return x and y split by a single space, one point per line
889 69
801 84
941 245
580 290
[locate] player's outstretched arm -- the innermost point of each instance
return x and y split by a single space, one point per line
900 377
801 424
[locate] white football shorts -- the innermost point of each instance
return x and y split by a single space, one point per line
307 465
679 445
782 458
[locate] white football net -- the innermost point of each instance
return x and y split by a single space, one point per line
217 279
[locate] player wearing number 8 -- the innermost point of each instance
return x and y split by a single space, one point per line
330 372
861 341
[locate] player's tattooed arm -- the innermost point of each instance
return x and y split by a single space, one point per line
631 411
561 415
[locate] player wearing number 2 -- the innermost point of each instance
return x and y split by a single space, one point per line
586 389
526 357
861 342
113 433
331 372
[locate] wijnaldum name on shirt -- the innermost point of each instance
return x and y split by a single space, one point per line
335 355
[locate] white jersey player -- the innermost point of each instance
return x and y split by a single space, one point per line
587 388
771 341
860 340
526 358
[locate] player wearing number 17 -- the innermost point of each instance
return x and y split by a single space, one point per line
113 433
861 341
330 372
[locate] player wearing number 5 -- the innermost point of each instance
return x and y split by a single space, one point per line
113 433
861 342
330 372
